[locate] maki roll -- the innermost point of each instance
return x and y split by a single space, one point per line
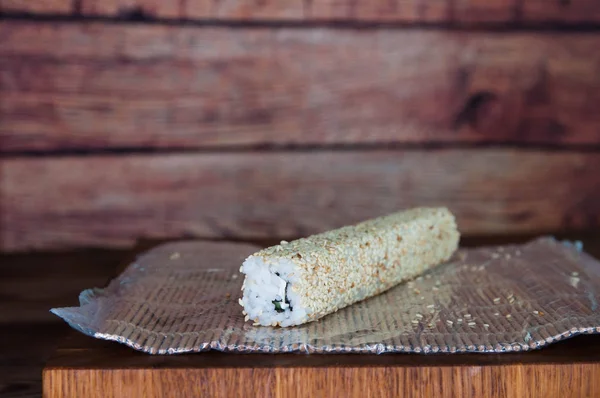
301 281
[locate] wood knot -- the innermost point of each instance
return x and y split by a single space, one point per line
136 13
477 108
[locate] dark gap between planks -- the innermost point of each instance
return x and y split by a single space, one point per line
295 148
138 16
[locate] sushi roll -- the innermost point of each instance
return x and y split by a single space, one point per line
301 281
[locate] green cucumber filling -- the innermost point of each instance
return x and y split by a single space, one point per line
277 304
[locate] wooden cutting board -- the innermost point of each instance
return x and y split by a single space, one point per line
85 367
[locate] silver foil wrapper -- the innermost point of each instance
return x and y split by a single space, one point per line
183 297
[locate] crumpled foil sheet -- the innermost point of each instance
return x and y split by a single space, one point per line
183 297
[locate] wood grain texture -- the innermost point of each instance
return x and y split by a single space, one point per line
146 383
467 12
97 86
260 10
562 369
37 6
567 369
113 200
404 11
128 8
475 381
574 11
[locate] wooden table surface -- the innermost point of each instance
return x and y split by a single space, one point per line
83 366
87 367
31 284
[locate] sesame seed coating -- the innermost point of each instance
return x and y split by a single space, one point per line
340 267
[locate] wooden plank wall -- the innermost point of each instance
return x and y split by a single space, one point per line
122 120
467 12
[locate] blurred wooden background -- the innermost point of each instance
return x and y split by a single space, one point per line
129 119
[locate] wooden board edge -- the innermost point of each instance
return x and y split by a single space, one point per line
567 380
